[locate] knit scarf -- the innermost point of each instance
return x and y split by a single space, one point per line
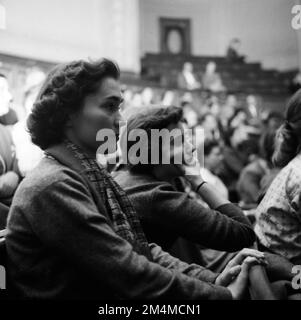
124 217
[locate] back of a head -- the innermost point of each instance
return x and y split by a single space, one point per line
288 138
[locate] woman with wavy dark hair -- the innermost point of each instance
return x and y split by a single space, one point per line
72 231
278 215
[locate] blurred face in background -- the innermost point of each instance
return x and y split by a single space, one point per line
5 96
147 96
274 123
214 159
251 99
181 149
231 101
236 45
239 135
188 67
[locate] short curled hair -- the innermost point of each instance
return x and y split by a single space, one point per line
288 137
62 94
147 118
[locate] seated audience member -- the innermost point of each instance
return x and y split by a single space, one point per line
189 114
9 173
235 159
212 160
168 98
7 115
210 126
211 105
295 84
166 213
233 52
252 106
272 121
72 231
211 79
147 96
137 99
249 181
227 111
187 80
278 215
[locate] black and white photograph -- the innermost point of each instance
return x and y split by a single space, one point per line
150 154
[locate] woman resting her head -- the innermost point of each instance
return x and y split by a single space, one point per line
278 216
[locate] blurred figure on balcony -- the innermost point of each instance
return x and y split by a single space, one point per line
211 79
27 153
295 84
168 98
187 79
233 52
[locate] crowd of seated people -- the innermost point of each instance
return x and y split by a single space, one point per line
82 229
210 80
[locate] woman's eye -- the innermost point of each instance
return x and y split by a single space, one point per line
111 107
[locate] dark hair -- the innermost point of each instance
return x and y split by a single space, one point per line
204 117
148 118
62 94
3 76
209 145
274 115
288 138
267 145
